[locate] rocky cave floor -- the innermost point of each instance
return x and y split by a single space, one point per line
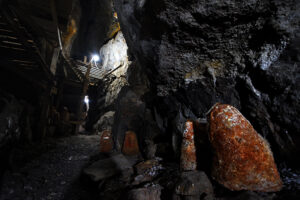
54 169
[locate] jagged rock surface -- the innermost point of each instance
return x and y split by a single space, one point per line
188 160
242 159
195 185
242 53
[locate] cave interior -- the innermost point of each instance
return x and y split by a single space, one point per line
149 99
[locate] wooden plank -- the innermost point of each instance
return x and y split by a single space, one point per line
54 60
11 43
23 61
7 37
28 66
12 48
54 16
5 30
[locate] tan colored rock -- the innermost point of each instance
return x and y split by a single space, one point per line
242 159
188 149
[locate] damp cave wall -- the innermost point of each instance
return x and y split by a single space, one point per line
196 54
94 26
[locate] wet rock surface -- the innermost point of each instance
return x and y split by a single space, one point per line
242 159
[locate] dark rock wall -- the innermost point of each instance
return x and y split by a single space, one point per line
197 53
95 22
16 126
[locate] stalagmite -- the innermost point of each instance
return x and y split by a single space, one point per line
106 142
242 159
188 150
130 145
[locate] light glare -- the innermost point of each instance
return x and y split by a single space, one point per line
95 58
86 99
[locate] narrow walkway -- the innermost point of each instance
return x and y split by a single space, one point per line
54 174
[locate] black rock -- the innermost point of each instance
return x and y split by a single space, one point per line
242 53
194 184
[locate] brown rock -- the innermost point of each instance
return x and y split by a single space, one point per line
242 158
146 193
188 149
144 166
147 171
106 142
130 145
194 183
108 167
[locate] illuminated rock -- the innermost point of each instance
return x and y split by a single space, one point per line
188 150
130 145
242 158
114 52
106 142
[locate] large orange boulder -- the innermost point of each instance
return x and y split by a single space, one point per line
106 142
188 159
130 145
242 159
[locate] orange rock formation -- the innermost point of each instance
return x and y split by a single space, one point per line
242 158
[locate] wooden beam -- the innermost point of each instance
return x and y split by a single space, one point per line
55 19
7 37
12 48
54 60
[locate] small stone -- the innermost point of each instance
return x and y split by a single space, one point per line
105 122
194 183
144 166
188 149
106 168
130 145
146 193
106 142
242 159
147 171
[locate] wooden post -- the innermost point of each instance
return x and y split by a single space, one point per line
54 60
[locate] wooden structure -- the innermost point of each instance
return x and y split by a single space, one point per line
31 47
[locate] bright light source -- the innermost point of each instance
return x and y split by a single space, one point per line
86 99
95 58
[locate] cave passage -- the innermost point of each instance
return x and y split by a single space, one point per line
149 100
